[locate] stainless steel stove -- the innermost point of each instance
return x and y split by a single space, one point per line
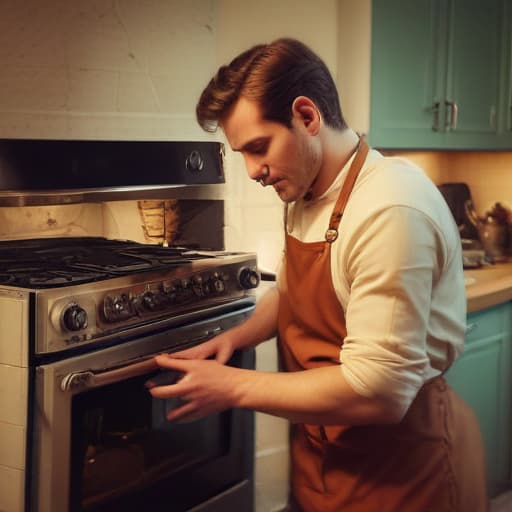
88 290
80 322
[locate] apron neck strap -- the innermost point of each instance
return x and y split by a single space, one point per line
357 163
332 232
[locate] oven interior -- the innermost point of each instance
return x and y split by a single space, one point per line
126 454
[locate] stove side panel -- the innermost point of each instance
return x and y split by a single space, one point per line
14 342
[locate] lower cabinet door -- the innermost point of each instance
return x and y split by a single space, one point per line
481 376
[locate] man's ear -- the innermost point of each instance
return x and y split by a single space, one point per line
306 113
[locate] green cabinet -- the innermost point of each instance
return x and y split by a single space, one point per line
438 74
506 93
482 377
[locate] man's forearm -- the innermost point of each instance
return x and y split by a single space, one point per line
317 396
262 324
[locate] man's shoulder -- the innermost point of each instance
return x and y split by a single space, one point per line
387 180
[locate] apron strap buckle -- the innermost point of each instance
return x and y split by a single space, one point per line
331 235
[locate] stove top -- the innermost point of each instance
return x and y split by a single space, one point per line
91 290
56 262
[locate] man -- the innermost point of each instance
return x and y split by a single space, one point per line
369 309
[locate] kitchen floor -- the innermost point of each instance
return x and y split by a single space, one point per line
502 503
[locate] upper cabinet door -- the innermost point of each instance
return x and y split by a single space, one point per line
406 75
473 78
436 76
506 65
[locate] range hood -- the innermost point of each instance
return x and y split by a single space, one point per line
41 172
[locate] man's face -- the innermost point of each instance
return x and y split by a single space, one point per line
290 158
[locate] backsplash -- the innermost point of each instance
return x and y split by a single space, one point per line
488 174
51 221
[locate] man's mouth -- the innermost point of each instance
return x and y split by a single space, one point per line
271 183
275 184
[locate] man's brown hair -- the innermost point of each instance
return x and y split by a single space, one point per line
273 75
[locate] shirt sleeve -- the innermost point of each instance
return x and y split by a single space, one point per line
392 261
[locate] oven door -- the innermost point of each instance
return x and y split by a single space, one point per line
102 443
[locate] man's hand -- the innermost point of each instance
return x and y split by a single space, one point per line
221 348
205 387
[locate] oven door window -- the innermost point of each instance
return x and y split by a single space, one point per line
123 446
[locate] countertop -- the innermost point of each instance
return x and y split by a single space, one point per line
485 287
488 286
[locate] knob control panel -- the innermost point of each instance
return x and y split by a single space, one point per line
102 310
165 296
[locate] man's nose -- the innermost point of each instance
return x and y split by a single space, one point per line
256 170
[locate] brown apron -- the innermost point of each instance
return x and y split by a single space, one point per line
432 461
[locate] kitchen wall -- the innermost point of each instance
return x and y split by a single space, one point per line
94 69
488 174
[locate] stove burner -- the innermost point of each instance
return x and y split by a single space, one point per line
54 262
7 279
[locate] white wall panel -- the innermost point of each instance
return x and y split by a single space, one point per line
96 69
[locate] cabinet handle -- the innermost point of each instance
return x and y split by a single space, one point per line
435 115
492 117
454 112
471 327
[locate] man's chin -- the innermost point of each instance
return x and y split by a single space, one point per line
288 196
284 194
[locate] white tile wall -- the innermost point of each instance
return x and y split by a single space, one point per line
11 489
91 68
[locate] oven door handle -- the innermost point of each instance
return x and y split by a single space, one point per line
88 379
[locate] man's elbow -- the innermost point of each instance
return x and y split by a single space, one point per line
390 412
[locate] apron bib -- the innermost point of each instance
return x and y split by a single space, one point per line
432 461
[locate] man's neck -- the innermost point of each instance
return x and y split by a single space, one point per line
338 147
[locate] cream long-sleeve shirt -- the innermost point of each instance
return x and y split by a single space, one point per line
397 272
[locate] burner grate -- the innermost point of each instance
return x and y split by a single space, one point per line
53 262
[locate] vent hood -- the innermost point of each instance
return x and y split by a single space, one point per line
41 172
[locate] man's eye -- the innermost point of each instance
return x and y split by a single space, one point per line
259 149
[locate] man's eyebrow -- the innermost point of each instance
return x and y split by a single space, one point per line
248 145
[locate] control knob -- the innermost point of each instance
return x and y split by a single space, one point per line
216 283
118 307
194 161
154 301
248 278
184 290
199 288
169 290
74 317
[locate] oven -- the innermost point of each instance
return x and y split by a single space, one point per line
79 431
102 443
